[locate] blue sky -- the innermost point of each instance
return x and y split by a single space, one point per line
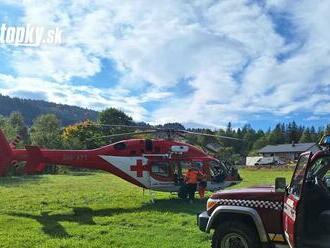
201 63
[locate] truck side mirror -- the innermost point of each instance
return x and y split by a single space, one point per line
280 184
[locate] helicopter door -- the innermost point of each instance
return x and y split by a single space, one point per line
177 172
161 174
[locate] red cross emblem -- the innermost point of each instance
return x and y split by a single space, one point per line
139 168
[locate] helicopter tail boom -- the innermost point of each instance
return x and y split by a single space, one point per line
5 154
34 163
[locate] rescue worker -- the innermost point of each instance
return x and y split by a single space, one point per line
191 179
202 178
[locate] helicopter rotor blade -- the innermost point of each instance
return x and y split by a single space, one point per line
124 134
120 126
153 129
209 135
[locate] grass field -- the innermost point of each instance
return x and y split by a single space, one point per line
100 210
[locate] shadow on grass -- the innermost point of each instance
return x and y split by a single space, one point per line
12 181
78 173
17 180
84 216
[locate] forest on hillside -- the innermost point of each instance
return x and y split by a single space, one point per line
46 131
30 109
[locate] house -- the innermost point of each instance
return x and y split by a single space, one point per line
287 152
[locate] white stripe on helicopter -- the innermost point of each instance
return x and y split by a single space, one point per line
129 165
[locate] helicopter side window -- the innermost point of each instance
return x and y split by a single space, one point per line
148 145
160 169
197 164
120 146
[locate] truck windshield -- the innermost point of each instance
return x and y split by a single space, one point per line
298 176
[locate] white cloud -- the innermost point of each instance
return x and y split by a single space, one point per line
59 63
84 96
228 49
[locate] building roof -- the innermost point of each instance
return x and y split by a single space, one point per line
215 147
298 147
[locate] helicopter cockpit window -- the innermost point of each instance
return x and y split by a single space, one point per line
218 171
160 169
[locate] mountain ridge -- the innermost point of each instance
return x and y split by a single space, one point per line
30 109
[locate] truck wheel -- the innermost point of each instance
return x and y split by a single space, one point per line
235 235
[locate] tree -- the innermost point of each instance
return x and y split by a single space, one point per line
84 135
293 133
229 129
7 128
46 131
16 120
261 142
316 135
306 136
174 125
225 153
327 129
112 116
277 136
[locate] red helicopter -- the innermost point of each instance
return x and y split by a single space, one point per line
155 164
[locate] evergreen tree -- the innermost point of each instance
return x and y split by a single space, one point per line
277 136
229 129
260 143
306 137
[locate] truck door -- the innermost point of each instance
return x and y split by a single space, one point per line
291 200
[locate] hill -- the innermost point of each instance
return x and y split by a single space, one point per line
30 109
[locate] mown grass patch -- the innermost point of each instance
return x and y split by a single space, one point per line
100 210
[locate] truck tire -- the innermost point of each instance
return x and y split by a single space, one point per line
235 234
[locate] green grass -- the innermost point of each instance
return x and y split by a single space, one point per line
100 210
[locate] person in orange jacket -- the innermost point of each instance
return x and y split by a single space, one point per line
191 179
202 178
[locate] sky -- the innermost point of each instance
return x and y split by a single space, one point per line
198 62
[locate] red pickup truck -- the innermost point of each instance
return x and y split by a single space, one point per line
296 216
